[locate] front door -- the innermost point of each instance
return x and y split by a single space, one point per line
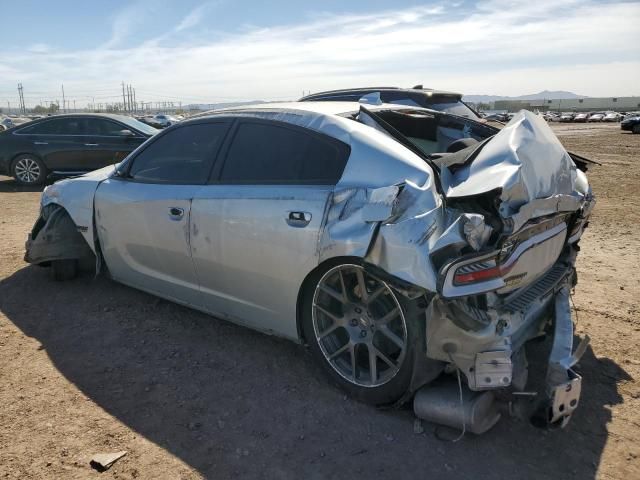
255 231
142 217
108 142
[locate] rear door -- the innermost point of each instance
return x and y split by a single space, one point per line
59 142
143 216
254 230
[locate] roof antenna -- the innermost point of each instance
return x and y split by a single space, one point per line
417 87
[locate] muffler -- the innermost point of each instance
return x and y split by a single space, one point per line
440 404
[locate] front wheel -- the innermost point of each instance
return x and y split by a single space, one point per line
636 128
29 170
362 332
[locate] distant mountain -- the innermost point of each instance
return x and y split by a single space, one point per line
544 95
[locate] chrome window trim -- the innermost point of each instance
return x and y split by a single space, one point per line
126 127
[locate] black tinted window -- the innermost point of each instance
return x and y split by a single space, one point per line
60 126
99 126
181 156
269 153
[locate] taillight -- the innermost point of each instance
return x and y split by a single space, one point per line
480 272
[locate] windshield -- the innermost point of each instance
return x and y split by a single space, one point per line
138 125
454 108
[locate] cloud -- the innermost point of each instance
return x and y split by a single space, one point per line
498 47
194 17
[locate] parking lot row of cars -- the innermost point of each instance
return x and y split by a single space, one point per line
584 117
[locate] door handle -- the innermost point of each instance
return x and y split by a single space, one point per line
176 213
298 219
41 143
90 144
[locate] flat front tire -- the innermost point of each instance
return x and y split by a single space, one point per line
28 170
362 332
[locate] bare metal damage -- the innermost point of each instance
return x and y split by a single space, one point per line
401 228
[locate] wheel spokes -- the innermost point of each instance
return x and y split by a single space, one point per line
362 286
332 316
367 306
340 351
387 332
373 368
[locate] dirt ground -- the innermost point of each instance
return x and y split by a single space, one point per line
92 366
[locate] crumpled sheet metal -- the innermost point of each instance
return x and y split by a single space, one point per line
526 162
397 228
76 196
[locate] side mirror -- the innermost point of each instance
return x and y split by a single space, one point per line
126 133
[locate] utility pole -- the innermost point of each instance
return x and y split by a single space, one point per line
124 101
135 102
23 108
129 99
74 105
64 102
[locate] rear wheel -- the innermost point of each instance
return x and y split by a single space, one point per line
29 170
362 332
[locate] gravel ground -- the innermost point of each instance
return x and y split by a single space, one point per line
92 366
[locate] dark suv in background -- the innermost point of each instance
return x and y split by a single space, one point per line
69 144
418 96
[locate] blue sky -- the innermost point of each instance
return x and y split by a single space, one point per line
221 50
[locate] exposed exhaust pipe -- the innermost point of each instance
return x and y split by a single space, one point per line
441 404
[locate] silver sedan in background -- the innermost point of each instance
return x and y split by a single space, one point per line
402 245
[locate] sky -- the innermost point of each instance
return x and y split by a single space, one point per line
198 51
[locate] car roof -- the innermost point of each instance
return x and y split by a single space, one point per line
417 89
113 116
322 108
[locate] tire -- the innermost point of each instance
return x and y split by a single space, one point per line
63 270
636 128
359 331
28 170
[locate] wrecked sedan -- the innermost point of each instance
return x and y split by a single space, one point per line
406 247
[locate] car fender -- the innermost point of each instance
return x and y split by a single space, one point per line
76 197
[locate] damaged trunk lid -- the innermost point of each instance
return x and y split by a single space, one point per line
513 201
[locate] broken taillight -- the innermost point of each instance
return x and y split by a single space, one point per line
480 272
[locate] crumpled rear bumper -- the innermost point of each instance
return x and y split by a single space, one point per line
563 385
493 358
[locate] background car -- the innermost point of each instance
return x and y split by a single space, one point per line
581 117
6 123
596 117
631 123
68 145
567 117
417 96
165 120
612 117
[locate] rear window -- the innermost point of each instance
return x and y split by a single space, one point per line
270 153
58 126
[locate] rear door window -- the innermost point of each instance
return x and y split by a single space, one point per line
59 126
181 156
264 152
